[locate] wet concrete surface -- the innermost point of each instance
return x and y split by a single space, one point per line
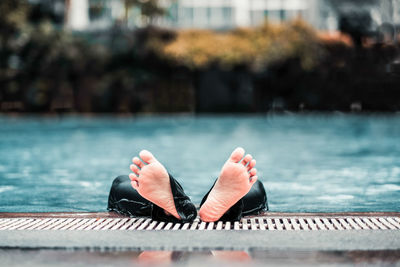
195 240
209 258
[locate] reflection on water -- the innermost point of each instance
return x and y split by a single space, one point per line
16 257
307 162
168 257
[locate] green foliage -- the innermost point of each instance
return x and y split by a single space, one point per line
13 15
45 68
37 59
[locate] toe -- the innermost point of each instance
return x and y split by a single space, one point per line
133 177
147 157
247 159
134 180
253 179
253 172
237 155
138 162
251 164
135 184
135 169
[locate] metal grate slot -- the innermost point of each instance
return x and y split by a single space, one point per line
246 224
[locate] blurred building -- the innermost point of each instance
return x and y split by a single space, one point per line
218 14
210 14
226 14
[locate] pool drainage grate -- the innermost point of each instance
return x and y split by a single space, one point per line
255 223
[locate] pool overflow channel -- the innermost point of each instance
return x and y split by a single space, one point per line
250 224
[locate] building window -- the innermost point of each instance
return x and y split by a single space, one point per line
273 16
200 17
257 17
209 16
187 16
227 16
292 14
282 15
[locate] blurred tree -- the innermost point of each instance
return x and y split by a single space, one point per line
13 18
13 36
149 9
357 25
256 48
354 17
50 10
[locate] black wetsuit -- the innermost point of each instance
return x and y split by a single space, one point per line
126 200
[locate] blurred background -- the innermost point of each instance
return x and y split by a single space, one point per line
311 88
130 56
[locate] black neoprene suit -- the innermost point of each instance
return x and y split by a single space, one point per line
126 200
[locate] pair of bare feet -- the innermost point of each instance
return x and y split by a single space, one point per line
165 257
151 180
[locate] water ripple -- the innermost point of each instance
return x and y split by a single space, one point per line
306 162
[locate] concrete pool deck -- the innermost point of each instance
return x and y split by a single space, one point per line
110 231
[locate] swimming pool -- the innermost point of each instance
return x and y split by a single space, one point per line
310 163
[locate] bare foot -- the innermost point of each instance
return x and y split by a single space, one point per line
235 181
232 256
151 180
155 257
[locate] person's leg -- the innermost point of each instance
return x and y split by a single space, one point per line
126 200
236 192
162 197
254 202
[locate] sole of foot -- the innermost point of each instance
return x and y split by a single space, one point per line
235 180
151 180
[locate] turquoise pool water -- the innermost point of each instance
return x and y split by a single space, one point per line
308 163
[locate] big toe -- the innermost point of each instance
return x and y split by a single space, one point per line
237 154
147 157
